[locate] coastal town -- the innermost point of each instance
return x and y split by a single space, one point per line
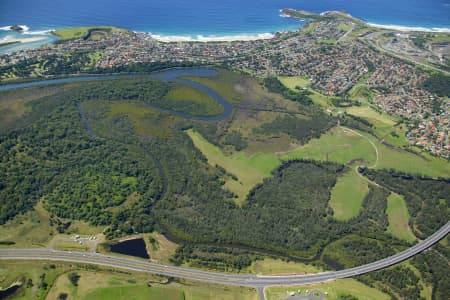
333 53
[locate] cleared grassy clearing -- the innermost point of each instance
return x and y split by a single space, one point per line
270 266
408 162
33 229
333 289
348 195
193 101
338 146
372 116
250 170
293 81
398 217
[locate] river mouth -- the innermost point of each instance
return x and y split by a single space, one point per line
134 247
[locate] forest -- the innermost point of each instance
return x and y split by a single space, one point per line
105 154
438 84
427 199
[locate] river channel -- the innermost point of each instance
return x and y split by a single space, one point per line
170 75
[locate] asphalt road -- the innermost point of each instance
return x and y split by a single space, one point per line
220 278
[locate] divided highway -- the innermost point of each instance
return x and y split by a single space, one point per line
215 277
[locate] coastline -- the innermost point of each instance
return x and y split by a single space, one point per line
410 28
286 13
38 36
212 38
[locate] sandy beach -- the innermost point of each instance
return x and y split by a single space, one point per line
23 40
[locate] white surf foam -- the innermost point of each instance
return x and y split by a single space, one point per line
39 32
408 28
212 38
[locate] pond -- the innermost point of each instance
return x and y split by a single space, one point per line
10 290
134 247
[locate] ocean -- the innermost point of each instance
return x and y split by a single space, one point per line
198 19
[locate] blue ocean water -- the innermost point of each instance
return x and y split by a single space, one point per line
210 17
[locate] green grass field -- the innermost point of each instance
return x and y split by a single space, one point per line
189 97
337 145
344 26
439 37
348 195
384 125
334 290
342 146
293 81
80 32
360 92
398 217
411 163
250 170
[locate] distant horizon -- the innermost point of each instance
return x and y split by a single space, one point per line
214 18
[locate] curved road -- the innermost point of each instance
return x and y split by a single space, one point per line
221 278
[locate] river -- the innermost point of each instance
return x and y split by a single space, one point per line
170 75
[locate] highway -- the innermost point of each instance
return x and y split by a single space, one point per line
255 281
